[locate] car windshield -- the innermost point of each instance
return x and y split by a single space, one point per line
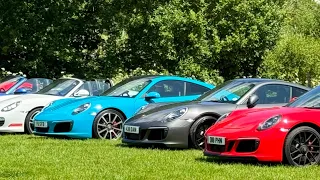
59 87
128 88
311 99
229 92
7 82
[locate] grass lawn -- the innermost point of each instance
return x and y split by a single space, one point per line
31 157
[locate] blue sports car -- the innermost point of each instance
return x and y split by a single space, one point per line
103 116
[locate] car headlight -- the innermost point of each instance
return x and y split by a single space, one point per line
81 108
176 114
222 117
11 106
269 123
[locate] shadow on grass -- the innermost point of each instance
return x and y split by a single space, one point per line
54 137
149 146
8 134
224 161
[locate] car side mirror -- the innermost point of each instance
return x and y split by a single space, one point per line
81 93
252 101
151 95
21 90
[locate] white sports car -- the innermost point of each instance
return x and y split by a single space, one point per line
17 111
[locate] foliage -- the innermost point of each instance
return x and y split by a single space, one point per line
98 39
296 57
4 73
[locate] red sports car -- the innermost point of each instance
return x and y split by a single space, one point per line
280 134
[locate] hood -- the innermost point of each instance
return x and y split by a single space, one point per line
72 103
168 107
250 118
6 97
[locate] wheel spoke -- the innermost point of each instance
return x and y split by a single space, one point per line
115 134
115 117
103 130
315 146
117 129
103 125
104 119
295 151
309 138
109 117
110 135
313 140
116 124
105 135
298 156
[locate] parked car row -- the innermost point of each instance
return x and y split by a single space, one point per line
255 118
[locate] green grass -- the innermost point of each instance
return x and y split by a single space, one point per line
31 157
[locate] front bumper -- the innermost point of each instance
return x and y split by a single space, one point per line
73 126
12 121
251 144
173 134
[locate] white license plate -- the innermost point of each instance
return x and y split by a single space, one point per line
131 129
216 140
42 124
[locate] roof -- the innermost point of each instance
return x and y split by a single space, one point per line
266 80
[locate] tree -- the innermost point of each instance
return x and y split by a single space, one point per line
297 54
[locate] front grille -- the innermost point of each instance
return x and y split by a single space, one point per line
230 145
63 127
247 146
132 136
216 148
157 134
43 130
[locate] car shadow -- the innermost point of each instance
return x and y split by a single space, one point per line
7 133
149 146
54 137
222 161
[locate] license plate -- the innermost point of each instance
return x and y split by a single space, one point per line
42 124
216 140
131 129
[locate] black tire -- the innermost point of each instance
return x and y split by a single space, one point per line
198 129
117 131
28 122
299 148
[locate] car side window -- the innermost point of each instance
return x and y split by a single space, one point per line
273 94
195 89
296 92
35 84
95 88
168 88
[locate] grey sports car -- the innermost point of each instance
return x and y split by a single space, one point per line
182 125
